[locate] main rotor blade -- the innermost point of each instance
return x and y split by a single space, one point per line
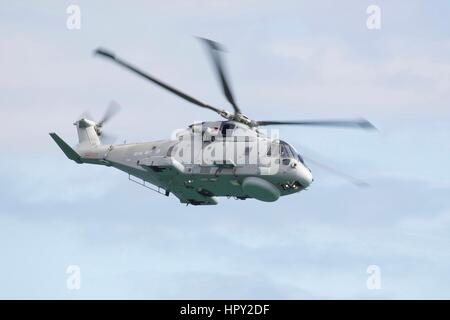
357 123
110 55
357 182
214 50
113 109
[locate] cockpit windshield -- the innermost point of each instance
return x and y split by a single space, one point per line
287 151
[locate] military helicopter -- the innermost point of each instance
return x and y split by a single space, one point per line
234 157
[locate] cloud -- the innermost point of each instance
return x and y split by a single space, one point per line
327 74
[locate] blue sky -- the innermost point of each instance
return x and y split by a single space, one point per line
287 60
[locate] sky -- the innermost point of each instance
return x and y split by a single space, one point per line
286 60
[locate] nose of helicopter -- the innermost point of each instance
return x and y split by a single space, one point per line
304 175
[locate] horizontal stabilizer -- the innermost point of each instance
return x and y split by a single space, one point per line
68 151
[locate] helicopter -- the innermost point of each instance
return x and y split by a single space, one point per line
235 157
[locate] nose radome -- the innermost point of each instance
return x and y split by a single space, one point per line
304 175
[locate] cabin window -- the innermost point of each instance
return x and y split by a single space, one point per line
227 128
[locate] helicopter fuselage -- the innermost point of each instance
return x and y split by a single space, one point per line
208 160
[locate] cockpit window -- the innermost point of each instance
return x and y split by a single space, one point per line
300 159
296 155
287 151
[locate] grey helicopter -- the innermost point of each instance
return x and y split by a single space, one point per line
235 157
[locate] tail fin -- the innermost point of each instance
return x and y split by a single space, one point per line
88 132
68 151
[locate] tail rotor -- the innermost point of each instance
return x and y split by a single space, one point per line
112 109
